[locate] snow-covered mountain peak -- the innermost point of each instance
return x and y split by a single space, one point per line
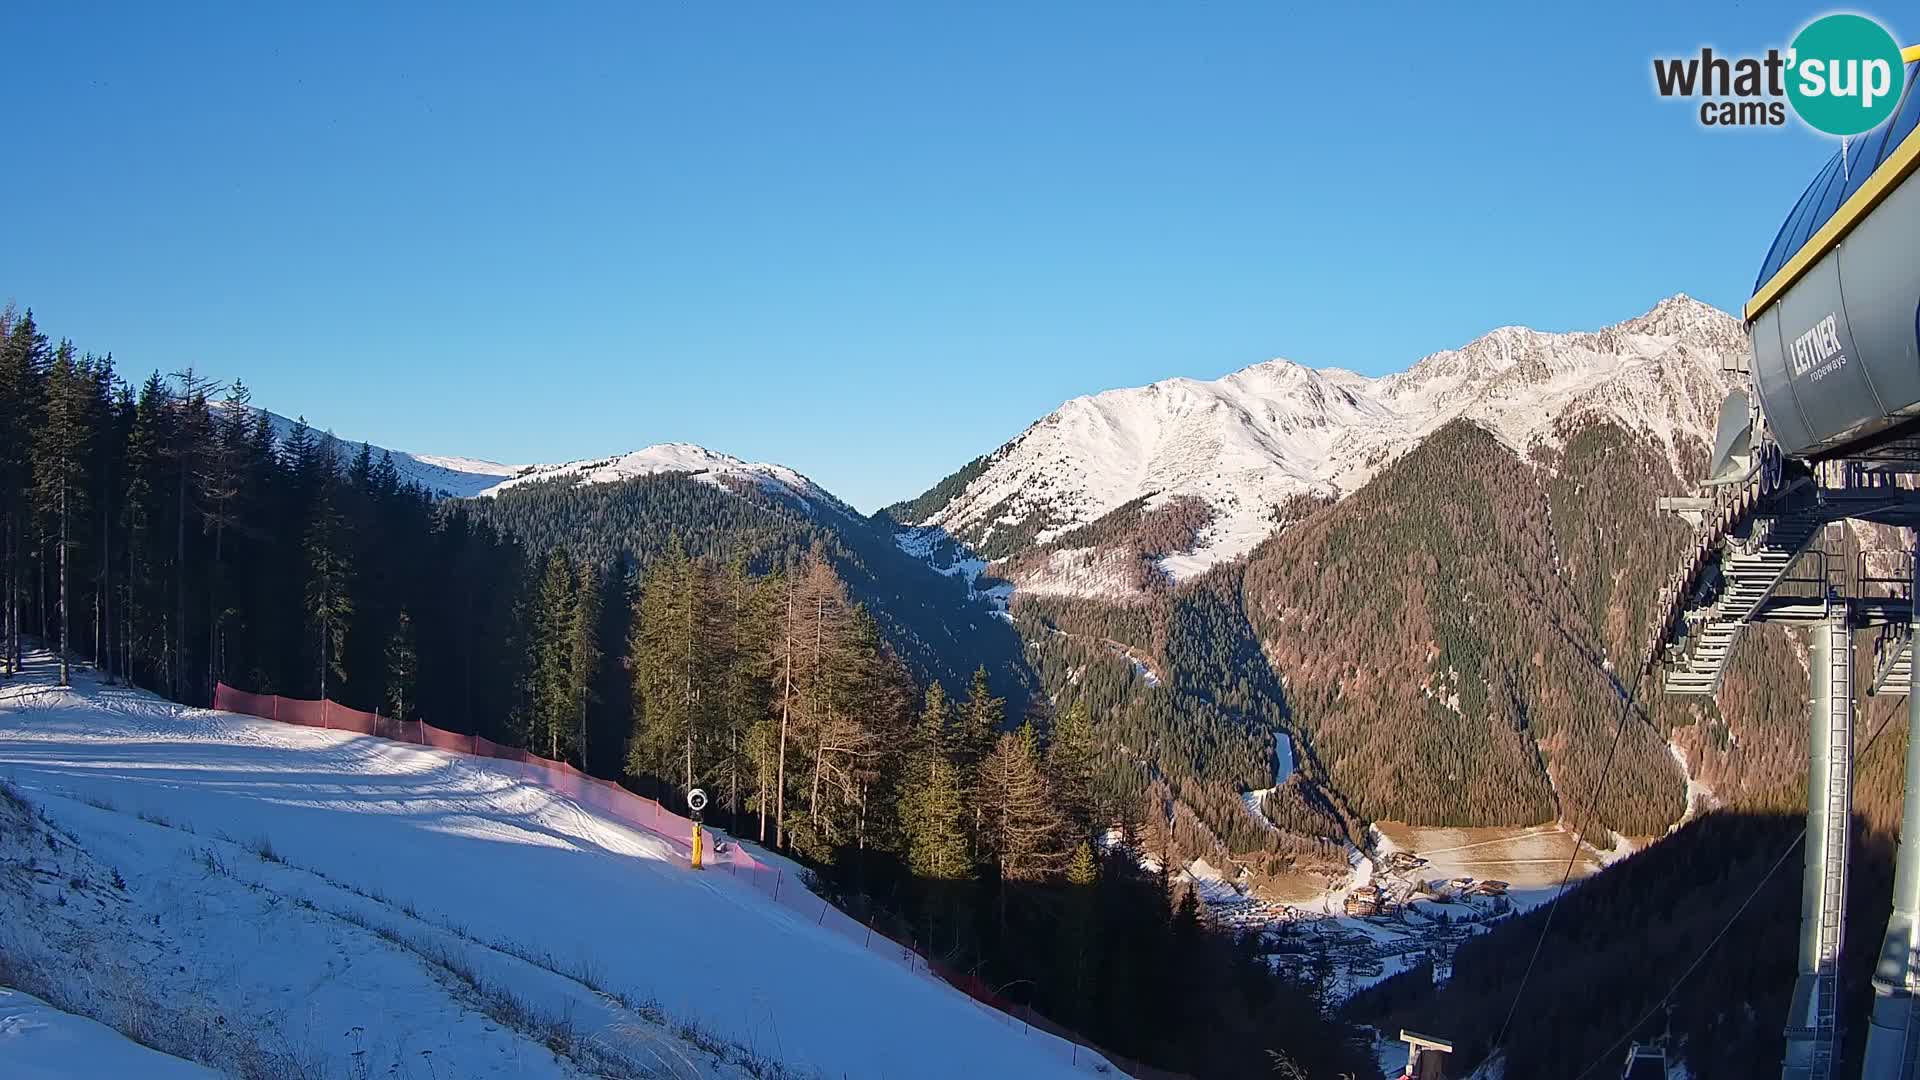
1247 442
455 477
1683 320
711 466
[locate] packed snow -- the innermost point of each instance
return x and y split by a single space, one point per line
1248 441
336 903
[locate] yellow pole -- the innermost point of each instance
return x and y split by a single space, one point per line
696 845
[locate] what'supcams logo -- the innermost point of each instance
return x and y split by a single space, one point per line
1842 75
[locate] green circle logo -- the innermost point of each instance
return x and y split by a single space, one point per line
1845 74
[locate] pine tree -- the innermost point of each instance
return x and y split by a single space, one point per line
932 810
402 667
108 391
553 687
742 654
1070 765
220 479
23 359
329 580
980 718
583 661
1084 869
148 431
671 658
60 452
189 442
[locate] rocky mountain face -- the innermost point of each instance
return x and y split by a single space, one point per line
1248 446
1443 574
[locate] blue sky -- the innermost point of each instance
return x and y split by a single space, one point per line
870 241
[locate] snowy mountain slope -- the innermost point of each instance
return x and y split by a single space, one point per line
442 475
707 465
454 477
285 877
1248 441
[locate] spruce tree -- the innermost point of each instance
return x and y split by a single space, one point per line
402 667
1070 768
553 696
584 653
23 359
980 718
329 579
189 443
741 652
932 810
60 450
665 692
220 480
1083 869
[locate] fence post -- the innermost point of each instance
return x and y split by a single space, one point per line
777 879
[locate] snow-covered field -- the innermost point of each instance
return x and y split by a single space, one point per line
288 901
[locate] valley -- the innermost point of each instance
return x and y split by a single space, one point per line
1353 718
1094 532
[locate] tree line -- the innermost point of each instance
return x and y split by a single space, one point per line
168 533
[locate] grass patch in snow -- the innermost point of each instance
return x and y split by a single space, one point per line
263 847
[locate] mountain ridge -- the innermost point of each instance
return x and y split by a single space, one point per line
452 476
1247 442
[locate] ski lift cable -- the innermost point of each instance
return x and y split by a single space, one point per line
1727 926
1599 790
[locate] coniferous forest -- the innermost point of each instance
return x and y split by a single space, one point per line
163 533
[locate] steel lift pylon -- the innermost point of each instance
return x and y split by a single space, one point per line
1770 549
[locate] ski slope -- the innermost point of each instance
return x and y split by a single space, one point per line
348 895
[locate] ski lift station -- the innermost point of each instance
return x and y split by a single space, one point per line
1823 429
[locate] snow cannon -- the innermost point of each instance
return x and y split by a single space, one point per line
1835 312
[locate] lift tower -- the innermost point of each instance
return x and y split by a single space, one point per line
1823 429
